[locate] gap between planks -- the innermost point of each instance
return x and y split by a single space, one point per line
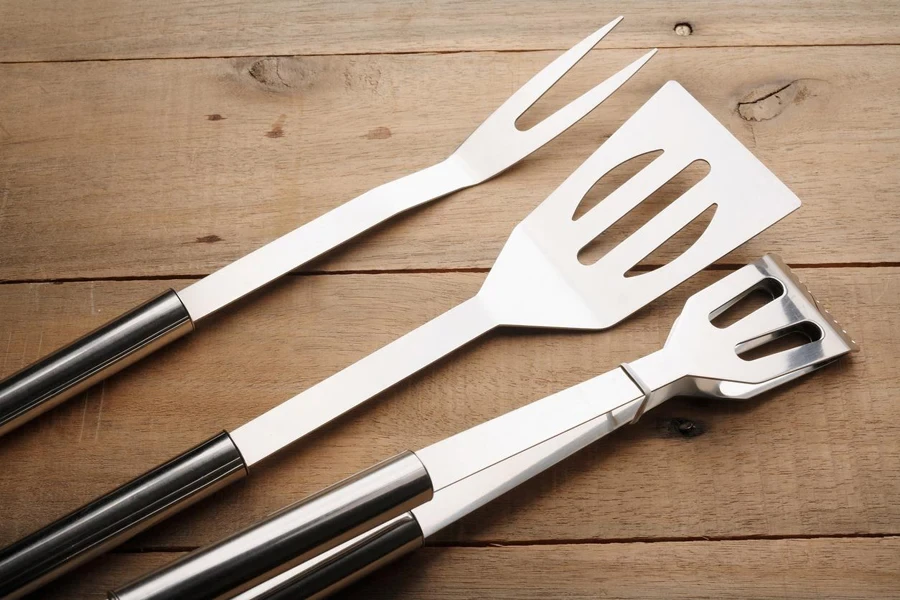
190 276
433 52
578 542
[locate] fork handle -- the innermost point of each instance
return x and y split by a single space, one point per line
295 534
119 515
92 358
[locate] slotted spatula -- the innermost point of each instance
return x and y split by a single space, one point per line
698 359
537 281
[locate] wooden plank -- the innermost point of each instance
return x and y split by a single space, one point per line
122 169
43 30
758 569
821 457
811 569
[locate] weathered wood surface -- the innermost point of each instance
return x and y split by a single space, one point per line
162 168
114 29
840 569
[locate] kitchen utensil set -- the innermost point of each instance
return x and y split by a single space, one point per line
322 543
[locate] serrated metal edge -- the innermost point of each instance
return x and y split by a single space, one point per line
838 328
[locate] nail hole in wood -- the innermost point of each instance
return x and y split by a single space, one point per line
683 29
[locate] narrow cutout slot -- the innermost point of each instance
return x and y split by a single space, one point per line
750 301
676 245
613 180
651 206
782 340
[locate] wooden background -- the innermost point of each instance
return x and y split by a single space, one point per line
143 145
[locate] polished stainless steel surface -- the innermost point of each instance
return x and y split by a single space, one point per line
470 493
492 148
696 360
475 449
538 280
95 356
118 516
292 535
339 567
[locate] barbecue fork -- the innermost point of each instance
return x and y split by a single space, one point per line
321 544
537 281
492 148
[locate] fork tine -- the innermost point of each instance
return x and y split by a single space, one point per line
538 85
571 113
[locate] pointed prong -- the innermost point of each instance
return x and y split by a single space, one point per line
538 85
574 111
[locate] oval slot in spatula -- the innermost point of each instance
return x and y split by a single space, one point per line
613 180
640 215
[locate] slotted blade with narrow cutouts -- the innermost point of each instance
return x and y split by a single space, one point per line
538 279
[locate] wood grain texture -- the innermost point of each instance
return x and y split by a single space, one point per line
160 168
114 29
715 570
841 569
820 457
121 177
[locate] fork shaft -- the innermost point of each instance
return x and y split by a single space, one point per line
322 234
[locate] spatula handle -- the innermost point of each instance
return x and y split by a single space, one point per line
92 358
292 535
118 516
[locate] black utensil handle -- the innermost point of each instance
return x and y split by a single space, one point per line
108 349
343 565
111 519
293 535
